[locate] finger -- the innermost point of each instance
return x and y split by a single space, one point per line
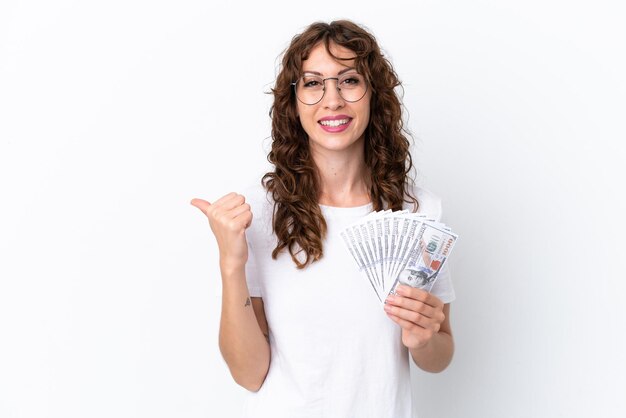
246 217
203 205
239 210
224 199
239 223
404 324
241 215
413 317
413 305
229 201
420 295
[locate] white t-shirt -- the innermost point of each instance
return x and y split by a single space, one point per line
334 351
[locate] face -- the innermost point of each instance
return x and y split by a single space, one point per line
333 124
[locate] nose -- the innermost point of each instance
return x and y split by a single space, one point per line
332 99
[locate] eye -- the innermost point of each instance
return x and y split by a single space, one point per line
351 81
311 83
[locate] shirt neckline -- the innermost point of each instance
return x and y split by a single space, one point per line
353 210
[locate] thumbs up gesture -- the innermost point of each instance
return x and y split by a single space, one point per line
228 217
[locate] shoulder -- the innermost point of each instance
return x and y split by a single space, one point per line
429 202
256 195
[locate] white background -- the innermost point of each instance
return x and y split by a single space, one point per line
113 115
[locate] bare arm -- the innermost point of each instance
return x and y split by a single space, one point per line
242 339
436 355
242 324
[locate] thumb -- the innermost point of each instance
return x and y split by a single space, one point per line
203 205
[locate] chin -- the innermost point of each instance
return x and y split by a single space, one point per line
335 144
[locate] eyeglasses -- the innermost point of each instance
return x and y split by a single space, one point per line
310 88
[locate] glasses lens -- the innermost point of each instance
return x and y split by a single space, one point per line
310 89
351 87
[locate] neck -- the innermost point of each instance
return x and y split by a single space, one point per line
344 180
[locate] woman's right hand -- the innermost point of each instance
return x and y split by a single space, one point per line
228 217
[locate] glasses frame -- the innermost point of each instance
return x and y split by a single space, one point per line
295 91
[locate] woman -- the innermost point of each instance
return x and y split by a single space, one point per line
300 327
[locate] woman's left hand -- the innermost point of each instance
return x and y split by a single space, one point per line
419 314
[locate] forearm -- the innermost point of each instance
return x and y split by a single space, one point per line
435 356
242 344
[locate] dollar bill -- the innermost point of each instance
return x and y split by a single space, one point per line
394 247
426 257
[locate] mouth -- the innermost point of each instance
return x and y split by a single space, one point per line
333 123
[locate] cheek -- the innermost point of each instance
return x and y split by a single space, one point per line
365 109
302 110
366 115
301 113
306 116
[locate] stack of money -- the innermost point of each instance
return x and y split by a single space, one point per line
394 247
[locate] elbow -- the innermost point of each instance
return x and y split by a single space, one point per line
433 368
247 369
437 369
251 386
250 382
251 375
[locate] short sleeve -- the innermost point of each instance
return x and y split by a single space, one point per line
257 235
252 271
443 287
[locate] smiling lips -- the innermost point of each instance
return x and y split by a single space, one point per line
337 123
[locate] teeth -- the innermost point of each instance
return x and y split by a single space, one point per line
334 122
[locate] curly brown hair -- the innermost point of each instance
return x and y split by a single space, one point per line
298 221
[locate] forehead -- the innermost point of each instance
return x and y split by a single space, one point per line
321 61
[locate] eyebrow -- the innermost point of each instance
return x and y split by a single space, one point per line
345 70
